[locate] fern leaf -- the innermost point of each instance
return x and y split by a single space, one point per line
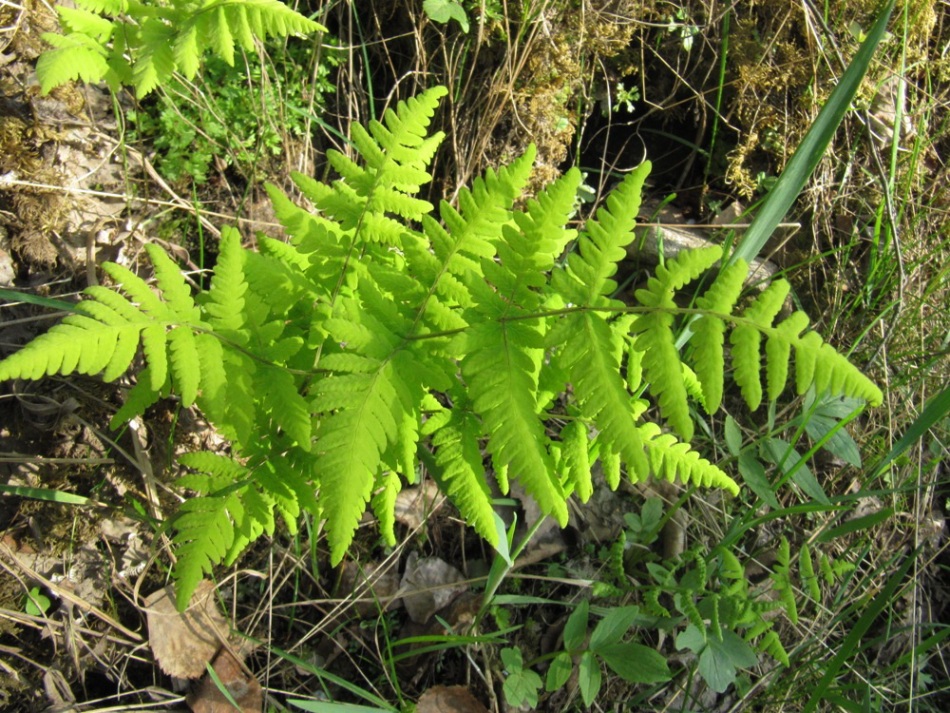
594 370
139 398
384 505
462 475
283 497
104 7
778 349
75 56
171 283
671 459
155 61
205 534
86 23
575 459
585 279
154 346
186 51
709 332
661 360
139 292
221 38
359 425
287 407
746 339
225 304
185 363
500 370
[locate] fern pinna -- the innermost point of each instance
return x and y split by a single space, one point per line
387 327
143 42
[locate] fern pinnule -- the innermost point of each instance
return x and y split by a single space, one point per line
574 462
778 348
671 459
225 299
500 369
599 391
585 280
461 474
661 361
746 338
709 332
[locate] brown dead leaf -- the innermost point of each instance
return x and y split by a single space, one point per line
245 689
375 587
184 642
449 699
428 585
415 504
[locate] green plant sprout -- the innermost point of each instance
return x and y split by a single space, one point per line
380 331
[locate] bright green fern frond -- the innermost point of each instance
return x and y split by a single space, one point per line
155 60
357 429
205 535
709 332
185 363
500 369
171 282
585 280
75 56
88 23
746 339
575 459
140 293
102 7
139 398
661 359
462 476
384 505
673 460
225 304
594 370
280 395
778 350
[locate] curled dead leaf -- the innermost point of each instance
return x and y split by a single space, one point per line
416 503
428 585
244 689
449 699
184 642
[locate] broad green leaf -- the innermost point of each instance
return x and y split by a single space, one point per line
575 631
522 685
559 671
612 627
753 474
635 663
788 459
733 436
589 678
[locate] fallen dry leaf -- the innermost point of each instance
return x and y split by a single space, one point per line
184 642
415 504
375 588
449 699
245 689
428 585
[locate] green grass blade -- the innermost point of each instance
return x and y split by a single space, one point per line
52 496
936 409
847 647
17 296
809 152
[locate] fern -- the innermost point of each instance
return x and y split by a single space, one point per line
390 332
144 43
